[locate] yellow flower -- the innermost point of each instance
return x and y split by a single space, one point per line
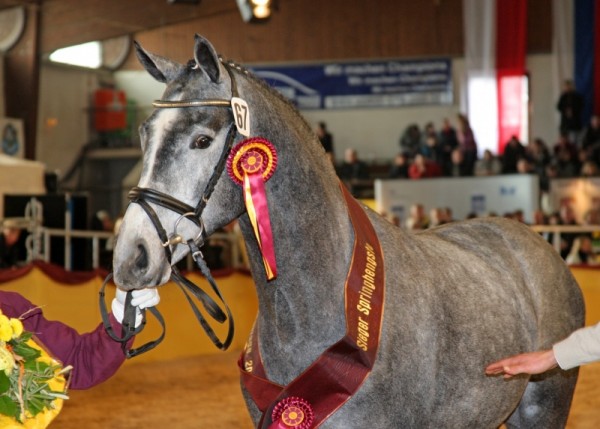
7 361
17 327
5 328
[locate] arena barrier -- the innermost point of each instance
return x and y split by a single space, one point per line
72 297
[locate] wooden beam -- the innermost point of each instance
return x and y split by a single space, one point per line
21 77
71 22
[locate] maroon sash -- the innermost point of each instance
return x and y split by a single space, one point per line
340 371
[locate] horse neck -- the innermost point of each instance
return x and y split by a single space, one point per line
303 308
304 305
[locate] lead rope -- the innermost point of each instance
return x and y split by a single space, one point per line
128 328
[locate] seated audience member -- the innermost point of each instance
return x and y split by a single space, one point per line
431 147
422 168
458 166
410 141
591 134
524 166
94 356
437 216
399 168
513 151
538 154
566 217
589 169
539 218
582 251
10 251
448 141
417 219
355 175
353 167
447 215
567 166
488 165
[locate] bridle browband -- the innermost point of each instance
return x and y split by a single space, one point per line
146 196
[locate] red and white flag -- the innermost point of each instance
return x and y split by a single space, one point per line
495 51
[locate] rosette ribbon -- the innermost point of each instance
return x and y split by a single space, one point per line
250 164
292 413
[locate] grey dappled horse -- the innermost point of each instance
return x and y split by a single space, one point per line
457 297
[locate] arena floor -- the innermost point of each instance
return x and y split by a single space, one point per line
203 392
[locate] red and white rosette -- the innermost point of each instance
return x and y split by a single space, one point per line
250 164
292 413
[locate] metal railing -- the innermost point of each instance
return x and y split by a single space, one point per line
557 230
232 239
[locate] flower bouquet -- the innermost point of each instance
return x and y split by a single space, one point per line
32 384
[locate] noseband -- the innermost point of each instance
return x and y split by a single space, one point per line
146 196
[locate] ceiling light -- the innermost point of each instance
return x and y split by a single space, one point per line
255 10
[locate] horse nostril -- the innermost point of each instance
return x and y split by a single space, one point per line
141 260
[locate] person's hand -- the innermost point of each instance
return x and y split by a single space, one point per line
526 363
142 298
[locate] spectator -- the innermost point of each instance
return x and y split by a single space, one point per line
353 168
355 174
570 105
399 168
410 141
566 217
447 142
467 143
566 165
524 166
539 155
591 134
423 167
564 143
589 169
326 140
417 220
458 167
432 150
582 252
513 151
488 165
10 251
436 216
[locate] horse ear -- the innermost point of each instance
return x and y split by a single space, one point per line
161 69
207 58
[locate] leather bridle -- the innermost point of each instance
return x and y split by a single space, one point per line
145 197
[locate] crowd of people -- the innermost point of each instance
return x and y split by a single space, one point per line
452 152
574 247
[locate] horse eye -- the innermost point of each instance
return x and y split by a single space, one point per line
202 142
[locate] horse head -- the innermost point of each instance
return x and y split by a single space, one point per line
184 142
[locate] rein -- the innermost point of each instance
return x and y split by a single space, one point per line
145 196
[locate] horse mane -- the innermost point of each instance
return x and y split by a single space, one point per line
235 67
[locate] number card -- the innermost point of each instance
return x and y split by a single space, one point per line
241 115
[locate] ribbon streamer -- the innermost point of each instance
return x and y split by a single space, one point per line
258 211
251 163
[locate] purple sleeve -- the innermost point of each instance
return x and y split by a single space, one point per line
94 355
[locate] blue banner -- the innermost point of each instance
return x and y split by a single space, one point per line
389 83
